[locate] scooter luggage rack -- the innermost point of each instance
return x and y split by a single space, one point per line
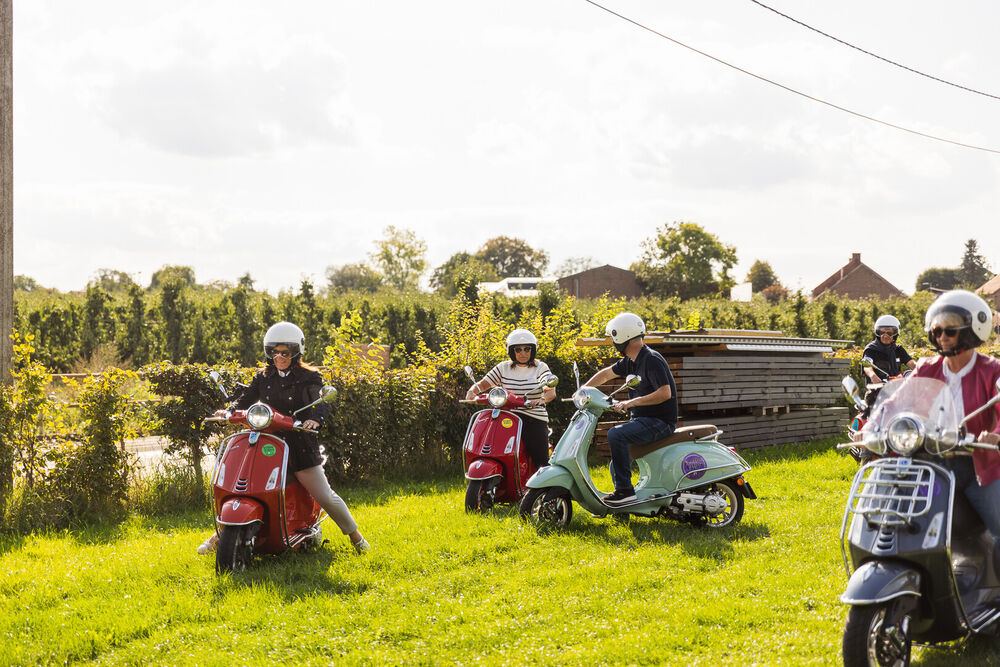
891 492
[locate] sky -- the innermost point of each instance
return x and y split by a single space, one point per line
281 139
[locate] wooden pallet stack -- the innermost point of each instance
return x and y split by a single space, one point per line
760 387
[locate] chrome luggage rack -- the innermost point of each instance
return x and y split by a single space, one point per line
891 492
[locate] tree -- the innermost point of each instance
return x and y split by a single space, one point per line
574 265
462 272
352 278
25 284
937 279
686 261
400 256
513 257
112 281
245 282
761 275
184 274
974 270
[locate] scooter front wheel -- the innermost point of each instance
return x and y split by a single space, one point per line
550 507
867 642
235 549
479 495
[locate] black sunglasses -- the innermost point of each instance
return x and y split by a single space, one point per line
950 332
287 354
522 348
886 332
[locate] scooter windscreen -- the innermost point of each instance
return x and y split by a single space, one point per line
913 413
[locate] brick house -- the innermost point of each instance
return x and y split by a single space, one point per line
856 280
593 283
991 292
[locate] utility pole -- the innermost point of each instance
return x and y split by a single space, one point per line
6 186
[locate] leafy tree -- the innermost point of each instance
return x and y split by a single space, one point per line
185 274
98 320
248 330
513 257
25 284
400 256
761 275
246 282
974 270
112 281
937 279
686 261
352 278
462 273
574 265
134 341
175 312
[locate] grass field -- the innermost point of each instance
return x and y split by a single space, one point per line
441 587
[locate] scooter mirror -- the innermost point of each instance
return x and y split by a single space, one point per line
576 374
217 379
329 393
468 373
633 381
851 389
552 381
867 361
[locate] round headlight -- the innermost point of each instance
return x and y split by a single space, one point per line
259 416
580 399
905 435
497 397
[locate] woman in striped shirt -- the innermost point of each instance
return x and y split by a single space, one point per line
523 375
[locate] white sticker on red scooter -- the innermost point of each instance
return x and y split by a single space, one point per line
510 446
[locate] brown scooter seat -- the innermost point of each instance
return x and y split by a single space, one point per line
684 434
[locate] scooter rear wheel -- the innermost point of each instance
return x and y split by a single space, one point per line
235 549
551 507
734 505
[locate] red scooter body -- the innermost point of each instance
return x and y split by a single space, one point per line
496 465
260 508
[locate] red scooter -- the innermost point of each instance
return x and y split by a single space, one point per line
496 465
864 406
259 508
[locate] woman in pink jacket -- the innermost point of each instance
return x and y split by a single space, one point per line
957 323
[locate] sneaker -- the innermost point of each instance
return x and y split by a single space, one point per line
620 497
361 546
208 546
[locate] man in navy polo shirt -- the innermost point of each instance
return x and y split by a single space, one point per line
653 403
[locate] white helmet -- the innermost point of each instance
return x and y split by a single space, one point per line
285 333
521 337
886 322
622 328
965 311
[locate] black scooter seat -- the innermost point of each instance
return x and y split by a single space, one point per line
684 434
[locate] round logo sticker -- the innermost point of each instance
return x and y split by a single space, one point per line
693 465
507 422
268 450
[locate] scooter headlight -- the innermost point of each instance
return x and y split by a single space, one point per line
580 399
259 416
497 397
905 435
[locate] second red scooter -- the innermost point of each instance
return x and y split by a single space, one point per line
497 467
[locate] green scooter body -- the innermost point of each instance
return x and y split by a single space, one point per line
663 473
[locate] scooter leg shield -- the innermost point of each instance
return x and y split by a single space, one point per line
240 512
877 581
484 469
551 476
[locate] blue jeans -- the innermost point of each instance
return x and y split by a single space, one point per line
984 499
638 431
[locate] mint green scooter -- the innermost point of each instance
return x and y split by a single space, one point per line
688 476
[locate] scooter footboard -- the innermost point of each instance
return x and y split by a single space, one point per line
240 512
879 580
550 476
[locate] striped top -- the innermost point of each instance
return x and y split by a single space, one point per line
523 381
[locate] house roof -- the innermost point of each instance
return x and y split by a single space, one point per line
845 271
991 286
605 267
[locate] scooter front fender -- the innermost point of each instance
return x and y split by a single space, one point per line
879 580
484 469
549 476
240 512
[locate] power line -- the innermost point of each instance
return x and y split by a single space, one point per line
792 90
875 55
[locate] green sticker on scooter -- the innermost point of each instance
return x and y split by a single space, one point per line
268 450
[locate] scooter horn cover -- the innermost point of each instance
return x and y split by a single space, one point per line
484 469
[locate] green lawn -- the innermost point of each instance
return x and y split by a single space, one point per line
444 587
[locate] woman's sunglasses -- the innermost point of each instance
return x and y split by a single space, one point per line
522 348
950 332
287 354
